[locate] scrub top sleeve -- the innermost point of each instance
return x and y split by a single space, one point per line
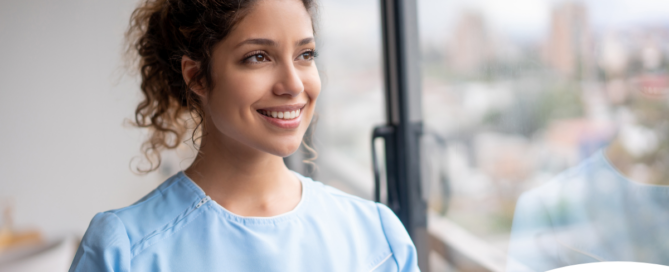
403 249
105 246
532 245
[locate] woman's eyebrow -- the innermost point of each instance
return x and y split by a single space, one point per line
304 41
268 42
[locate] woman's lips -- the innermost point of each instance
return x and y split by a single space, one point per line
283 119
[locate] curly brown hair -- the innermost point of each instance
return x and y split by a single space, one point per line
160 33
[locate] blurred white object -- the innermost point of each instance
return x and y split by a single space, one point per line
53 256
613 266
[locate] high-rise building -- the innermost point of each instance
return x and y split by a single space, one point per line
469 47
568 49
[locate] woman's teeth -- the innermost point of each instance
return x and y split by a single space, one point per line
286 115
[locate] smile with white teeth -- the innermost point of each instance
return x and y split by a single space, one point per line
286 115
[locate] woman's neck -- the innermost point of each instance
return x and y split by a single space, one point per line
244 180
647 169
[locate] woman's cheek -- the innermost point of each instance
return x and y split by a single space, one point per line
241 91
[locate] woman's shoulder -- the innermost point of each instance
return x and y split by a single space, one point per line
362 214
112 236
336 200
162 206
331 198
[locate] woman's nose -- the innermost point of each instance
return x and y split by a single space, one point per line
288 81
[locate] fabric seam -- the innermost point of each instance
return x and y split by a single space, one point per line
382 261
288 216
125 230
385 235
166 227
83 260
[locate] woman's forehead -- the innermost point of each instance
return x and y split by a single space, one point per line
274 22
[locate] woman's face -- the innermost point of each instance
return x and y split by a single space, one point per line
265 79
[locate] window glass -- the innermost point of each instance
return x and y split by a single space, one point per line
547 124
351 101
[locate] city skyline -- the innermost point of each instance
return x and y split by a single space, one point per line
530 20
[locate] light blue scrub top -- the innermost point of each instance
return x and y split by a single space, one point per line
178 228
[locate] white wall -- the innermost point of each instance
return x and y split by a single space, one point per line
64 148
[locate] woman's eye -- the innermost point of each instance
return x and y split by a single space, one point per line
309 55
255 58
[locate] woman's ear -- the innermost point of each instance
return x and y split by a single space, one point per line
189 68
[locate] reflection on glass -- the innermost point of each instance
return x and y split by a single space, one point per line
555 122
613 205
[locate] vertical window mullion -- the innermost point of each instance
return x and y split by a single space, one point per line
403 113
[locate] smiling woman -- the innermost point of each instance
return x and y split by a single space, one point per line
245 72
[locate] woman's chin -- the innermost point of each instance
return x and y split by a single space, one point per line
285 149
288 152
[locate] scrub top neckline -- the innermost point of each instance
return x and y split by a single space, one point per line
637 185
251 219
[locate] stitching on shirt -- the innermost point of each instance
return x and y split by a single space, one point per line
378 211
173 226
286 217
253 221
382 261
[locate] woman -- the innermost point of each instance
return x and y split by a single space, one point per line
244 71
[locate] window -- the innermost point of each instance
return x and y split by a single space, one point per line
562 104
489 104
